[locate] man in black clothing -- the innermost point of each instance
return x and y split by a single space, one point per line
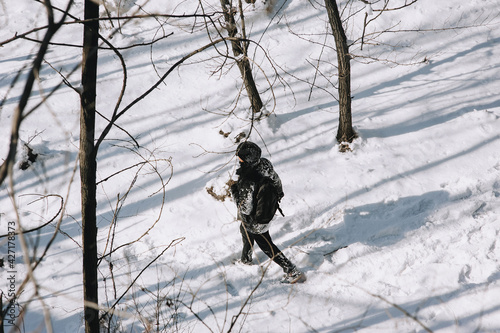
253 169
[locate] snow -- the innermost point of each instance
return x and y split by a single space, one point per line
398 235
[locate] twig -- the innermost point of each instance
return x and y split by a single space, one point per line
172 243
46 223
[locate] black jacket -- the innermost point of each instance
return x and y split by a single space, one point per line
243 192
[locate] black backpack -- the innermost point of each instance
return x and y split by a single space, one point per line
266 201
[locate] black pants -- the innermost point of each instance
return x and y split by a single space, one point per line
266 245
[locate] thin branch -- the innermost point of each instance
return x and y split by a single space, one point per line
46 223
120 97
78 21
164 184
18 116
172 243
407 4
172 68
121 48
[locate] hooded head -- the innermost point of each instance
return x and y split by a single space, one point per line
249 152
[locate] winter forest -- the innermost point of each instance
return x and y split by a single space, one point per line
119 122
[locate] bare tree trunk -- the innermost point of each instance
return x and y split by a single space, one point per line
345 131
240 49
251 88
1 312
88 166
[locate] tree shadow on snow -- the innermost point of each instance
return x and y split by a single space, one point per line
387 222
429 311
377 224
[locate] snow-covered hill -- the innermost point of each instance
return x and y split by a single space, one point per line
398 235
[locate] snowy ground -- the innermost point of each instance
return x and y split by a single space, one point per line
398 235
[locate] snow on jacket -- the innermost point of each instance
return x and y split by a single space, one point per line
251 171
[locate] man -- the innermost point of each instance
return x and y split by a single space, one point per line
252 173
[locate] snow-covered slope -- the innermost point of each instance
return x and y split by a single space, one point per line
398 235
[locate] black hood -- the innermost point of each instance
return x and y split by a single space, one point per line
249 152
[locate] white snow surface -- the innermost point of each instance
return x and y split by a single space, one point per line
398 235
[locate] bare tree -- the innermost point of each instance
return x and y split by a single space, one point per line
240 51
345 131
88 165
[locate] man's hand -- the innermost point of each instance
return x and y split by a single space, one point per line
233 187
